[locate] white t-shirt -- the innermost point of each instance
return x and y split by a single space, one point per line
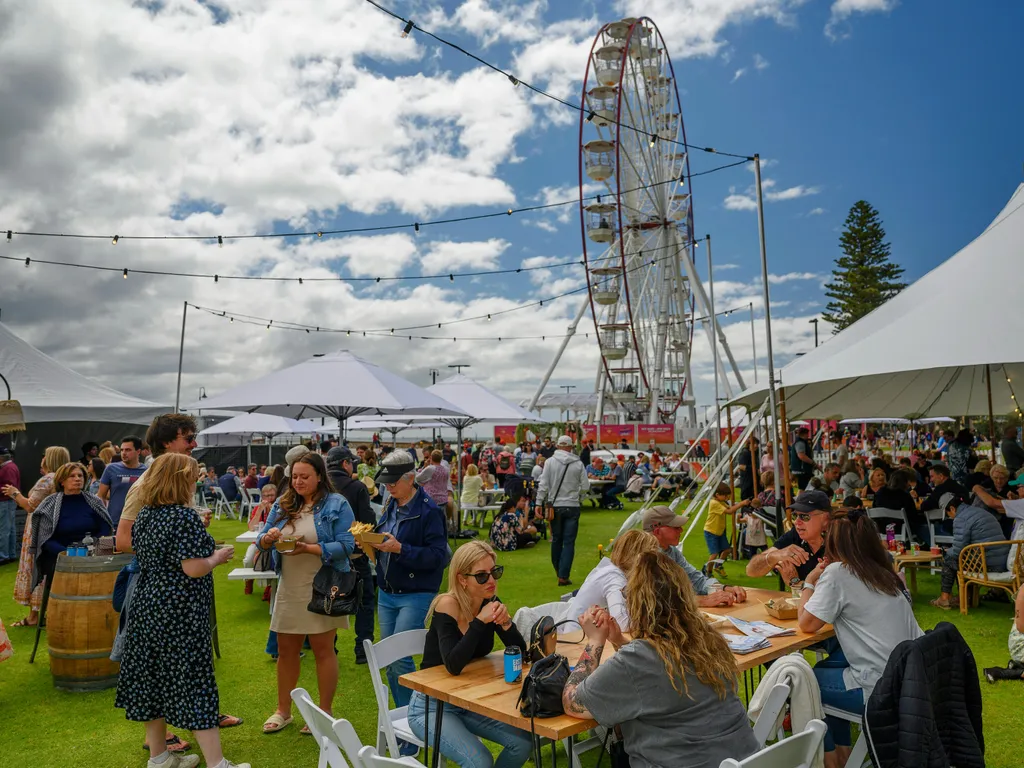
536 472
868 624
603 588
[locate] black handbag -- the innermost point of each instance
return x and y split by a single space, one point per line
543 638
335 593
541 694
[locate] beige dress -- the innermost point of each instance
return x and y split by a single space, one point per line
295 587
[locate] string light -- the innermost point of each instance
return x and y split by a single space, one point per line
125 273
409 26
9 235
220 241
27 261
116 238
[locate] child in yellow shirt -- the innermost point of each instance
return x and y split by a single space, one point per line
714 528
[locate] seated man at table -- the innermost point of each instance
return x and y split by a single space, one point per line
597 470
664 487
672 689
798 551
971 525
463 622
616 485
666 526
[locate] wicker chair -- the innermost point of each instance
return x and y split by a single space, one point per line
973 570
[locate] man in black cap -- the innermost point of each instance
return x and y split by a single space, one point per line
340 467
797 552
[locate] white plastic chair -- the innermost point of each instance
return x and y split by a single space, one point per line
860 749
935 516
899 515
798 751
222 504
392 724
248 500
334 735
769 721
370 759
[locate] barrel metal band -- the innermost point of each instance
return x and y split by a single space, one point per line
68 655
55 596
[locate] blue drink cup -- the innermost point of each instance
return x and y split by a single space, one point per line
513 664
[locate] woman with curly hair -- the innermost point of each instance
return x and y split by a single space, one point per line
672 688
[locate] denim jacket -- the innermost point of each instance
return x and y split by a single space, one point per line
333 517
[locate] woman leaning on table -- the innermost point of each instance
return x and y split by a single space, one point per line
672 688
463 622
167 667
311 511
26 592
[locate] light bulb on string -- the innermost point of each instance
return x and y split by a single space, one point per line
319 234
125 273
512 79
10 234
116 238
220 241
416 226
216 278
232 318
407 29
28 261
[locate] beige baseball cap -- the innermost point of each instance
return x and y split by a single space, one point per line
662 515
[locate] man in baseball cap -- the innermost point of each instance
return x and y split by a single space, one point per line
666 526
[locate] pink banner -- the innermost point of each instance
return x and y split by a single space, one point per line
661 434
590 432
616 433
505 435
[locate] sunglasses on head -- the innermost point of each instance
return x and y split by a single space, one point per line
482 576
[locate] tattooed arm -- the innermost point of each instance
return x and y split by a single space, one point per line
596 625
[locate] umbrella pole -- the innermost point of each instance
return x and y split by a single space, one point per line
735 524
991 422
783 459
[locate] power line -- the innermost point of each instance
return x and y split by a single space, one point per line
409 26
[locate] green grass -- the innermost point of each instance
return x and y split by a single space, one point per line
46 727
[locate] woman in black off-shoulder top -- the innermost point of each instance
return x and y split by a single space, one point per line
462 624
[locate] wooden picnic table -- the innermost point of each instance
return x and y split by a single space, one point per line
481 688
910 562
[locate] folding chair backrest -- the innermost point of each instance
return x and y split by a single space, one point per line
323 727
798 751
380 655
768 720
370 759
879 513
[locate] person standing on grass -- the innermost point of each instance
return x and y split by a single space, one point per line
410 562
715 527
561 490
319 519
167 667
118 478
9 476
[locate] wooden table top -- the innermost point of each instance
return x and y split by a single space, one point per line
481 687
922 557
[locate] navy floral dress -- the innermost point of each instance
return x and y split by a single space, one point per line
167 667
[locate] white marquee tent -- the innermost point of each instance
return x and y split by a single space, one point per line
929 350
51 392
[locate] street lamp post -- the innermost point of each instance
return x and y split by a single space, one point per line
815 322
568 388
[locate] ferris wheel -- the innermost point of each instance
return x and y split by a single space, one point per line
637 233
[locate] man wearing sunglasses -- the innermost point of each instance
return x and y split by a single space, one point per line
797 552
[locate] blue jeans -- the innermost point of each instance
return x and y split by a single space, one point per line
460 730
834 693
564 528
716 542
400 613
8 541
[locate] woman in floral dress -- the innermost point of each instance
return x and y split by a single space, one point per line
53 458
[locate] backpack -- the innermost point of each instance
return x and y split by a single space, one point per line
517 486
504 461
503 532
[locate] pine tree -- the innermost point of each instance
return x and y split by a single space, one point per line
864 277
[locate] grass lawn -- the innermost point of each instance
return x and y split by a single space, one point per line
46 727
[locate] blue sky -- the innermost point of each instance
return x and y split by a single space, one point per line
172 118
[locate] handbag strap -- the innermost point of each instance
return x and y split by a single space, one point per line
559 486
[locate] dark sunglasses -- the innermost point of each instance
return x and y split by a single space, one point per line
483 576
805 517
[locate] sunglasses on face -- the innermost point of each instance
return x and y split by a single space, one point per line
805 517
483 576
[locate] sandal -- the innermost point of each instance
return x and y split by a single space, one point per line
305 731
276 722
25 623
174 744
937 603
229 721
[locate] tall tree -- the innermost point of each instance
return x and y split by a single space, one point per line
864 278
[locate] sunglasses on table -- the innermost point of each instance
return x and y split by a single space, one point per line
482 576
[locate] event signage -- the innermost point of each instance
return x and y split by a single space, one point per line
616 433
505 434
661 434
590 432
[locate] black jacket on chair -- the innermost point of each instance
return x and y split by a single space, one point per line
925 711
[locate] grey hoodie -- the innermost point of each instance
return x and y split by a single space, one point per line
565 473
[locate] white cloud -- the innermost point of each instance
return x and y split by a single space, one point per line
739 73
463 256
815 211
791 193
842 10
791 276
760 62
735 202
746 201
723 267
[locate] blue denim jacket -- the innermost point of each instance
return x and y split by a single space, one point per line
332 516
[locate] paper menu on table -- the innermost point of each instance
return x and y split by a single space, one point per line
759 628
746 644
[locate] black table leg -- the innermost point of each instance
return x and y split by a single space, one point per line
435 760
572 740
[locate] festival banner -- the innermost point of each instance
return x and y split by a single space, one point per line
661 434
590 432
613 434
505 434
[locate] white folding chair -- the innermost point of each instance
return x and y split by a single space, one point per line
860 749
769 720
334 735
899 515
248 501
798 751
370 759
222 504
936 516
392 724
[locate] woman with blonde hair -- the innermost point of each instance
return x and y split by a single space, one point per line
107 455
167 667
472 484
672 688
462 624
25 593
605 585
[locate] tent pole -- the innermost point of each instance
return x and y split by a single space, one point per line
783 457
991 421
181 355
714 347
732 493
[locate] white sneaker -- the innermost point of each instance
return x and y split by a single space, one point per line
175 760
237 765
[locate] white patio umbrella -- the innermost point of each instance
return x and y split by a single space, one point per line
391 426
339 385
249 424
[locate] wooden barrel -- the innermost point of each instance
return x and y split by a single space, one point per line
81 622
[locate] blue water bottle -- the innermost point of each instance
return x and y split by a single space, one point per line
513 664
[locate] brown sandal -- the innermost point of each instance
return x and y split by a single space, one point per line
174 744
940 604
25 622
